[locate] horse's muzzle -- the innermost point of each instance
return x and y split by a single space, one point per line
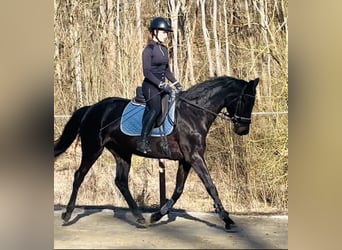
241 129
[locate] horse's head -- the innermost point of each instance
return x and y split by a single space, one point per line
240 108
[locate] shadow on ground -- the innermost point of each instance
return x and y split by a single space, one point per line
92 227
122 214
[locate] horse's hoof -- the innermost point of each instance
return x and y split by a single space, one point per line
66 216
141 223
229 227
156 217
229 223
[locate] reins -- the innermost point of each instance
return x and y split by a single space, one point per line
223 115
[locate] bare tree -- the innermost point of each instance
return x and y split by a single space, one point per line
138 18
117 19
74 34
262 9
107 19
217 48
283 10
57 60
174 6
226 36
206 39
250 39
188 37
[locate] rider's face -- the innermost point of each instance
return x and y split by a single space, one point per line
162 35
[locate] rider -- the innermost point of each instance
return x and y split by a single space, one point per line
156 70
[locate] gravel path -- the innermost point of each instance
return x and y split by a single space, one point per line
115 228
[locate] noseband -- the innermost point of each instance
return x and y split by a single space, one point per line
237 118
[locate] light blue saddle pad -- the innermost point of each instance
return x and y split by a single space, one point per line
131 120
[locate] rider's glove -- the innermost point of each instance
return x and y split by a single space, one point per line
166 88
178 87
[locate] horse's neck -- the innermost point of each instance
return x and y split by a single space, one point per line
213 102
212 95
216 100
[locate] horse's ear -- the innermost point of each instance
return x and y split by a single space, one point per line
255 82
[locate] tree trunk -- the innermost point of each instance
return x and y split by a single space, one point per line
138 18
250 40
118 42
262 9
206 39
74 33
174 10
108 41
57 59
217 48
226 35
188 37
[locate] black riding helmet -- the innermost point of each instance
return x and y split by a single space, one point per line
160 23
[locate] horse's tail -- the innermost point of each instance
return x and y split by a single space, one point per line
70 131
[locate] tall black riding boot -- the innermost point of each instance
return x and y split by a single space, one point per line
148 122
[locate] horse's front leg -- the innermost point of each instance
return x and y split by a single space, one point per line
123 165
202 171
182 174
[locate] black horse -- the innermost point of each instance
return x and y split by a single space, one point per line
196 109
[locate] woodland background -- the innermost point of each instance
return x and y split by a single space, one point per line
98 47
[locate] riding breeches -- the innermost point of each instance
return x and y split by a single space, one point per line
152 96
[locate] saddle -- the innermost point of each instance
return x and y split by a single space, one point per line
131 119
140 99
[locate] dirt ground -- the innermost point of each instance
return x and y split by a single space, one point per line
106 227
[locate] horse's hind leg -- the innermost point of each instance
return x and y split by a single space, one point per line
123 165
182 174
85 165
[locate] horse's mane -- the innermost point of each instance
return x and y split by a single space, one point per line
205 88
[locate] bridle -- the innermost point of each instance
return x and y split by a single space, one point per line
235 118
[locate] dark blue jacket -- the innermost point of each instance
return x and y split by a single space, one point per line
155 61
